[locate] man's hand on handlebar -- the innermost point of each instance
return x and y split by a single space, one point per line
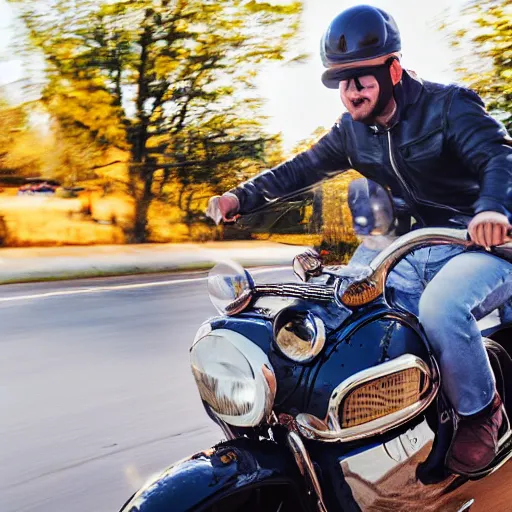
223 208
489 229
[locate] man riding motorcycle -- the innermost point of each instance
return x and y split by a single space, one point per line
435 147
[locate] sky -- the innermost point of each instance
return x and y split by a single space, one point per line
296 101
9 68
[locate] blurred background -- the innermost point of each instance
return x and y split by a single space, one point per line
121 118
118 120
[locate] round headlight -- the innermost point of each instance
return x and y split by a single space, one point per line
299 335
230 288
230 373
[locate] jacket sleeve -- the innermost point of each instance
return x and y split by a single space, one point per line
485 148
323 160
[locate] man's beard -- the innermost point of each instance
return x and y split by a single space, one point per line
386 89
370 118
357 114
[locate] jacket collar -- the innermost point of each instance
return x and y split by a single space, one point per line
407 93
408 90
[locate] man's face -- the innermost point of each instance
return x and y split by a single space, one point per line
360 103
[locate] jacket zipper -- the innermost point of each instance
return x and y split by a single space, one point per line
395 169
401 179
409 191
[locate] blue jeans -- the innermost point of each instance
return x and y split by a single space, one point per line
450 290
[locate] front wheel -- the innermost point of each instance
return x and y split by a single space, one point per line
268 498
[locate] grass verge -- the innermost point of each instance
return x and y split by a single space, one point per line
93 273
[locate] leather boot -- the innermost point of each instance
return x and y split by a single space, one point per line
476 440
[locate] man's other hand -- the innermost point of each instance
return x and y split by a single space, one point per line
489 229
224 207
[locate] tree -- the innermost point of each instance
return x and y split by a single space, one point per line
13 120
483 35
170 81
21 146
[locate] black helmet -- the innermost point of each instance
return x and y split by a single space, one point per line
357 34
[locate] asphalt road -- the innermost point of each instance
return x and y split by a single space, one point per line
96 394
95 389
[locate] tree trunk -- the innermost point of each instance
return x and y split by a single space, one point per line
180 197
188 213
139 149
140 231
317 217
165 180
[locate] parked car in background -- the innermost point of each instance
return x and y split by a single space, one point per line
44 187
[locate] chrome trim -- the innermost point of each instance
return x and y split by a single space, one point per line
219 393
508 433
384 476
271 381
240 303
306 468
467 506
315 292
295 348
386 260
415 240
229 278
307 265
204 329
330 430
502 462
379 268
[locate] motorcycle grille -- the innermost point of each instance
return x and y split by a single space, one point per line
383 396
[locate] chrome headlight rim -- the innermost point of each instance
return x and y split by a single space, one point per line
298 350
204 329
264 380
330 430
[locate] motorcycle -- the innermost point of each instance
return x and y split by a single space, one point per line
328 395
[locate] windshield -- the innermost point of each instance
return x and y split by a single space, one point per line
373 219
334 218
334 232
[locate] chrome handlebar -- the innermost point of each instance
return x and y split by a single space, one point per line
309 264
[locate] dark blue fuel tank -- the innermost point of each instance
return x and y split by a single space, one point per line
367 338
373 338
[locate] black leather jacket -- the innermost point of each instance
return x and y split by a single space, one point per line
443 155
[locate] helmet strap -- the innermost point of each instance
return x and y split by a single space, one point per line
359 86
386 88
